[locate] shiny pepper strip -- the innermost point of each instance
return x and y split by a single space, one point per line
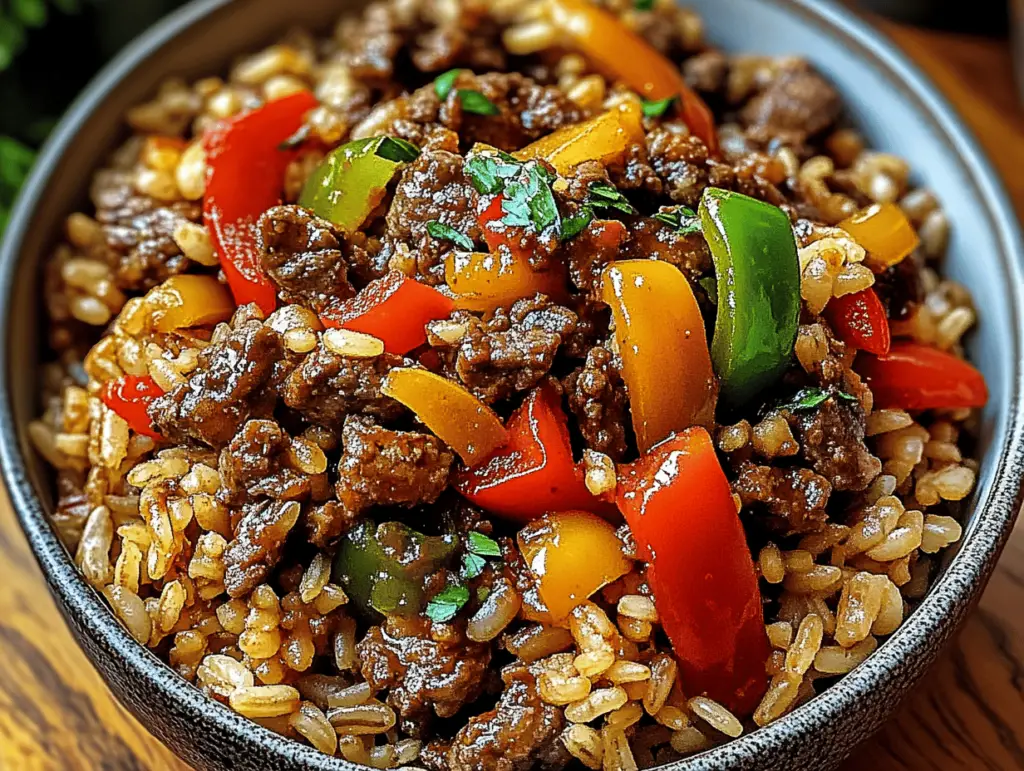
130 397
885 233
458 418
679 506
859 320
665 360
623 55
758 271
188 300
917 377
246 170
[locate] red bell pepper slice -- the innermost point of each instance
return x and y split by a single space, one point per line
534 473
518 240
859 320
394 309
918 377
130 397
679 505
245 178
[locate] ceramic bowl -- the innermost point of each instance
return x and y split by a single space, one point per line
898 111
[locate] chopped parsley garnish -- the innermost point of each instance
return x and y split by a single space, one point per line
443 232
397 150
811 398
577 223
444 84
681 219
657 108
478 547
605 196
528 200
478 543
477 103
643 5
447 603
489 174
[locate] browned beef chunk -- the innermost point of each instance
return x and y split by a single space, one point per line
832 441
325 522
899 288
383 467
597 397
386 32
433 188
519 734
514 349
228 387
137 231
257 464
797 103
707 71
302 255
424 667
256 547
796 496
326 387
680 160
655 240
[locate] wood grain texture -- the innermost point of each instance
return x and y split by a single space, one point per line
56 714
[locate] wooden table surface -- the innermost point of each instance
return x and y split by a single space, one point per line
56 714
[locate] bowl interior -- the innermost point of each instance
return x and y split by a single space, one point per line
884 97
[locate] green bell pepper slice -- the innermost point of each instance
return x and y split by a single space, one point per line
383 568
758 278
352 181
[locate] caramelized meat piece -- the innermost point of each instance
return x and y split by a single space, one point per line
707 72
680 160
513 350
381 467
228 387
302 255
519 734
832 441
797 103
655 240
137 231
796 496
433 188
256 547
256 464
424 667
326 387
324 523
597 397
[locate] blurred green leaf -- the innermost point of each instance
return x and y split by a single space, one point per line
31 13
12 38
67 6
15 161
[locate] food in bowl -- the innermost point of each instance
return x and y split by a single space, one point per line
453 393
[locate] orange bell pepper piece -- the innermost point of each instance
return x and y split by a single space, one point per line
605 138
188 301
885 232
663 343
572 554
484 282
623 55
459 419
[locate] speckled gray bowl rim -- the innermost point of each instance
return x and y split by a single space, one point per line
947 602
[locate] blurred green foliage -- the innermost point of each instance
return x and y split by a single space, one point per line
49 49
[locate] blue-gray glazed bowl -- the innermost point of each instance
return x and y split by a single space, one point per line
897 109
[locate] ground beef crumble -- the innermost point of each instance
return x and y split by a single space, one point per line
796 497
256 547
597 397
832 441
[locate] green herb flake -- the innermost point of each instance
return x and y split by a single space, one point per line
476 103
480 544
472 566
443 232
643 5
812 398
447 603
397 150
658 108
681 219
528 200
577 223
482 172
444 84
605 196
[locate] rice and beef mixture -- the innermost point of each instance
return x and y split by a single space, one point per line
507 385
